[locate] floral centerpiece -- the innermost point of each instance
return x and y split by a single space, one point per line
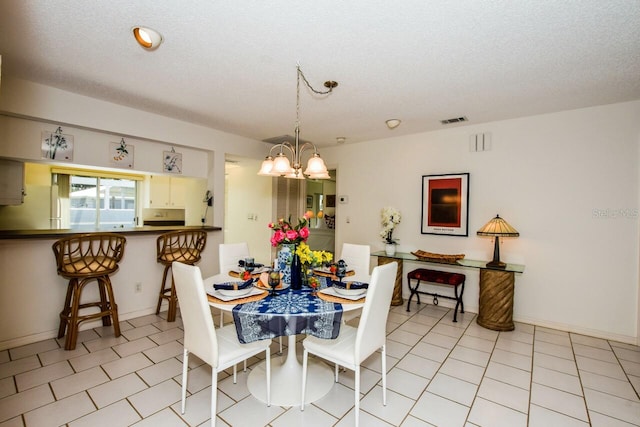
287 236
311 259
286 233
390 217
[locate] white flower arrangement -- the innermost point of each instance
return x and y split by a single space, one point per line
390 217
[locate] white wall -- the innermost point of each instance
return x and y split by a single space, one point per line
248 207
31 293
546 175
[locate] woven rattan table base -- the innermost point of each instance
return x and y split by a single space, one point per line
496 300
396 299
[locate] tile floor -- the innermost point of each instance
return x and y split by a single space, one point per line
440 373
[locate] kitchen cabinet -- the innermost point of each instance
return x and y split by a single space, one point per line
11 182
167 192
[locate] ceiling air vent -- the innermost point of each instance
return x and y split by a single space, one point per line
454 120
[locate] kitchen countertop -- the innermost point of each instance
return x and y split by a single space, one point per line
50 233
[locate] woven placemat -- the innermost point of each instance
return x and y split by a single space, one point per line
331 298
251 298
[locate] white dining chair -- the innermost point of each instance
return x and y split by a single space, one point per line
354 345
220 348
229 254
358 258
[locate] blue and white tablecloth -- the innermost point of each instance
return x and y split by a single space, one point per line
289 313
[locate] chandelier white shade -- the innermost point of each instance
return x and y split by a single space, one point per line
287 162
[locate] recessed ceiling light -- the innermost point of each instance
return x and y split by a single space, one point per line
393 123
341 139
146 37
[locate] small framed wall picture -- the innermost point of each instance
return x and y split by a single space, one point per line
121 154
171 162
445 204
57 146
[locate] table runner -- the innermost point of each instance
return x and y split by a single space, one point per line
289 313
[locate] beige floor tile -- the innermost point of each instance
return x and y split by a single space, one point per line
462 370
396 409
454 389
559 401
559 380
100 357
58 355
552 336
43 375
76 383
312 416
167 336
31 349
126 365
406 383
440 340
543 417
119 414
142 331
419 366
8 369
129 348
156 398
118 389
160 372
250 412
613 370
605 384
164 418
554 349
508 374
515 360
25 401
61 411
476 343
7 387
430 351
612 406
487 413
555 363
470 355
439 411
504 394
165 351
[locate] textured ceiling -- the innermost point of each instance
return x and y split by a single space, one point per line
231 65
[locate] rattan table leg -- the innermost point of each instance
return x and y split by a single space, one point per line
396 299
496 300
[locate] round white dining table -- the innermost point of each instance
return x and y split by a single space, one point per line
286 373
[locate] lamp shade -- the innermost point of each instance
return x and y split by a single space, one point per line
281 164
498 227
315 165
267 167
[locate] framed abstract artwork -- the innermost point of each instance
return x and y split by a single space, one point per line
445 204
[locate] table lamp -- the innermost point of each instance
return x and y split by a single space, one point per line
497 228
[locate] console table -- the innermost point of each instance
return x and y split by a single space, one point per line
495 308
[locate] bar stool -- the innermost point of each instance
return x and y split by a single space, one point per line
82 258
184 246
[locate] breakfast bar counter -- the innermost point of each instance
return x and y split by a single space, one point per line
58 233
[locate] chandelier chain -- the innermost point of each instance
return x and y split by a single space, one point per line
306 82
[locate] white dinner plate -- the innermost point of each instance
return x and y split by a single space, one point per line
332 291
216 293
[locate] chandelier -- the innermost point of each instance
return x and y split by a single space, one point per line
288 160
